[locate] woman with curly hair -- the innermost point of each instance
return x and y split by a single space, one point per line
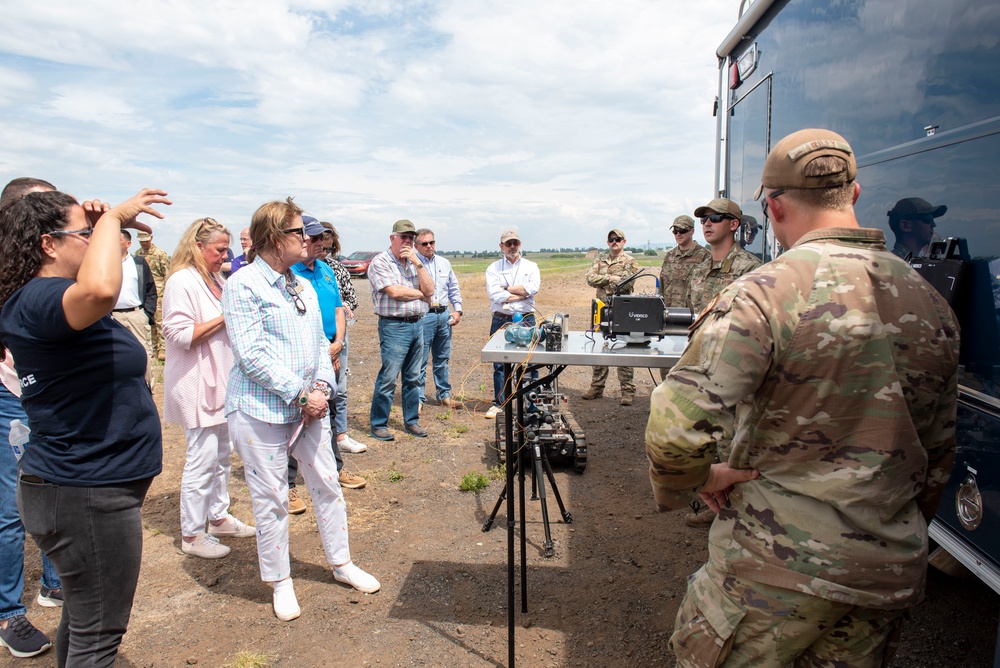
197 369
96 442
279 387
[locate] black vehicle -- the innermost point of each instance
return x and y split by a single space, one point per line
914 85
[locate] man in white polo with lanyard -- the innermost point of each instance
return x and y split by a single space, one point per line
402 289
511 284
438 321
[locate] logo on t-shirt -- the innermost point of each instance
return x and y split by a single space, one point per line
28 380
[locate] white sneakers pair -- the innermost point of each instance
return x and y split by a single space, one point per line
286 604
348 444
206 544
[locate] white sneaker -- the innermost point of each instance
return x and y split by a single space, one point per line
233 528
493 412
357 578
204 546
348 444
285 604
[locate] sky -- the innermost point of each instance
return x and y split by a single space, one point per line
558 119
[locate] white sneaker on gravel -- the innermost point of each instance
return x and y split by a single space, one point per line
493 412
348 444
357 578
204 546
232 527
285 604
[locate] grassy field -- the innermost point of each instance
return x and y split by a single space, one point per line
550 264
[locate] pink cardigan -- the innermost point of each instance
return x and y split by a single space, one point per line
194 377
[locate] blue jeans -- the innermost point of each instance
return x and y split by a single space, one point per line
94 537
402 347
437 345
11 529
499 321
340 419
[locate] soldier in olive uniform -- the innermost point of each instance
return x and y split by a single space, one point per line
843 363
605 275
679 262
159 267
720 219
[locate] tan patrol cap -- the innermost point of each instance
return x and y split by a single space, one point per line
508 235
683 222
403 227
784 164
719 205
144 236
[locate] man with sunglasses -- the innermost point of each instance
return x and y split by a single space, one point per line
605 275
438 321
679 262
511 285
827 383
912 221
720 219
402 289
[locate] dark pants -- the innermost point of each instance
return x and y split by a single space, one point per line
499 320
93 535
293 463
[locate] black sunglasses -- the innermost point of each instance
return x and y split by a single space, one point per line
426 243
763 202
615 240
315 237
513 243
677 230
84 233
301 231
716 218
293 289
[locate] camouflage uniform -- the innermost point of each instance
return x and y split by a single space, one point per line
605 274
159 266
832 370
708 278
675 274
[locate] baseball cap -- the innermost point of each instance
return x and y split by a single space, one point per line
750 222
911 206
312 226
617 233
683 222
403 227
508 235
719 205
787 160
146 236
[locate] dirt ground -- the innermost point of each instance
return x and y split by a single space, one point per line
607 598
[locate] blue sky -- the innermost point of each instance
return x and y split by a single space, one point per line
558 119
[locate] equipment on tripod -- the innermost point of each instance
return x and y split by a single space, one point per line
554 428
637 319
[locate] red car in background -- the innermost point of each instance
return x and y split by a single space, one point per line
357 263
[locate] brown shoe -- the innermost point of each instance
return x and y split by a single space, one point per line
162 356
350 481
296 506
700 520
593 394
627 399
448 402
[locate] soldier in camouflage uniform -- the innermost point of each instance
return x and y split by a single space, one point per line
827 380
159 267
720 219
605 275
679 262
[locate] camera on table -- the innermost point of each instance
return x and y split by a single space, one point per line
639 318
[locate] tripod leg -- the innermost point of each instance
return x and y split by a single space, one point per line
548 549
567 517
496 509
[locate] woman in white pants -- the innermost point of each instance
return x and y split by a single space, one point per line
278 393
197 368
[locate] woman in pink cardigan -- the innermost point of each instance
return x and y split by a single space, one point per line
194 379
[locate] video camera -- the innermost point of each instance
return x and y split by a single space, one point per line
637 319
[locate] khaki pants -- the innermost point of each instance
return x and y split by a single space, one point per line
156 333
625 374
137 323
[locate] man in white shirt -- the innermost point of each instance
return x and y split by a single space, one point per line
511 284
438 322
136 305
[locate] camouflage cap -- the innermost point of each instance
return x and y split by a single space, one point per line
683 222
786 161
719 205
144 236
913 206
508 235
404 227
617 233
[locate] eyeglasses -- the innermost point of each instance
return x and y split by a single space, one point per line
293 289
301 231
615 240
677 230
716 218
513 243
315 237
427 243
408 237
774 195
84 233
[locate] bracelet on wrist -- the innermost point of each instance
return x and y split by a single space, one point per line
322 386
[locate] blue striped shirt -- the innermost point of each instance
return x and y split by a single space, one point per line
277 350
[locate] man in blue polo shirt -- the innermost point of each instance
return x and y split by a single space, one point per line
323 280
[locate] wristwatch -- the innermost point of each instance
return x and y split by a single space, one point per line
303 398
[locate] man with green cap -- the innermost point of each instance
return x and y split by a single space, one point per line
605 275
401 292
679 262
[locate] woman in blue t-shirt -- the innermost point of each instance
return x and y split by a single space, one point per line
96 442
